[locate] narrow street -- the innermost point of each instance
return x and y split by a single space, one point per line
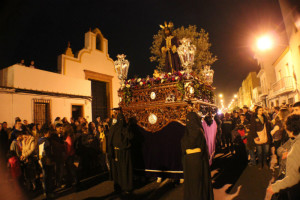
231 180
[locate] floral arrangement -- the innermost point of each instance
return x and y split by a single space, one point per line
181 77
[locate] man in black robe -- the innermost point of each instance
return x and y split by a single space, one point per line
169 49
197 179
119 153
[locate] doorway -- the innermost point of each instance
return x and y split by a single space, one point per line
100 99
77 111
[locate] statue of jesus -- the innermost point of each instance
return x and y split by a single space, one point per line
169 49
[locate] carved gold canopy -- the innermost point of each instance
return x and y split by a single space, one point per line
156 106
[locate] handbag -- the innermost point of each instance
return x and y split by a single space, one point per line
262 135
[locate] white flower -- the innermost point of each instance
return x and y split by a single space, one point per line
176 78
169 73
162 80
182 72
186 84
123 85
141 83
139 80
129 80
127 85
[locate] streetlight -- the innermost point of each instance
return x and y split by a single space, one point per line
221 95
235 96
264 43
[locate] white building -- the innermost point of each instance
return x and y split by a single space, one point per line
284 89
86 86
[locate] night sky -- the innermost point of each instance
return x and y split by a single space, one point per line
39 30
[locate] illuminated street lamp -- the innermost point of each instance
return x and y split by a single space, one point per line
264 43
221 95
235 96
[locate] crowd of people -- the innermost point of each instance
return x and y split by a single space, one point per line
59 154
54 155
268 139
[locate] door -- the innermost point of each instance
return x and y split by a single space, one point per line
100 96
77 111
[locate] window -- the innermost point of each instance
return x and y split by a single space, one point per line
99 42
291 100
41 110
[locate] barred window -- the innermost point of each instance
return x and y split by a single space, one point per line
41 110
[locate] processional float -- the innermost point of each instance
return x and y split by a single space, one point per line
159 105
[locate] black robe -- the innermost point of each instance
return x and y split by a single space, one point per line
197 179
119 154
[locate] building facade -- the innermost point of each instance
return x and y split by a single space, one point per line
245 94
86 85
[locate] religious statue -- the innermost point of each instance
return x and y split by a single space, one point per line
169 49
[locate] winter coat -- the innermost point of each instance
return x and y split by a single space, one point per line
256 125
28 146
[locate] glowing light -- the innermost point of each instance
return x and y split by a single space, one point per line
264 43
235 96
221 95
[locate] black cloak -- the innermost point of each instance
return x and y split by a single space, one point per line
197 179
119 153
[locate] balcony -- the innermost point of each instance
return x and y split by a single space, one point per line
284 85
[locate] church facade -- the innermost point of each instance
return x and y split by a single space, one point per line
86 85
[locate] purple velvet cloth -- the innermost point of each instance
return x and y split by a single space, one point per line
210 136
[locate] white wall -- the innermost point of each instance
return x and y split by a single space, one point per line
284 66
93 60
35 79
21 105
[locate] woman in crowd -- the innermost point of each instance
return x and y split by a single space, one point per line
197 180
71 177
260 131
292 178
29 160
278 132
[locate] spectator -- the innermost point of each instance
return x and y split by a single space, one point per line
3 139
28 158
296 108
260 131
17 143
98 121
17 129
46 161
292 177
235 118
14 166
239 138
278 132
22 62
59 153
71 177
32 64
276 111
247 113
